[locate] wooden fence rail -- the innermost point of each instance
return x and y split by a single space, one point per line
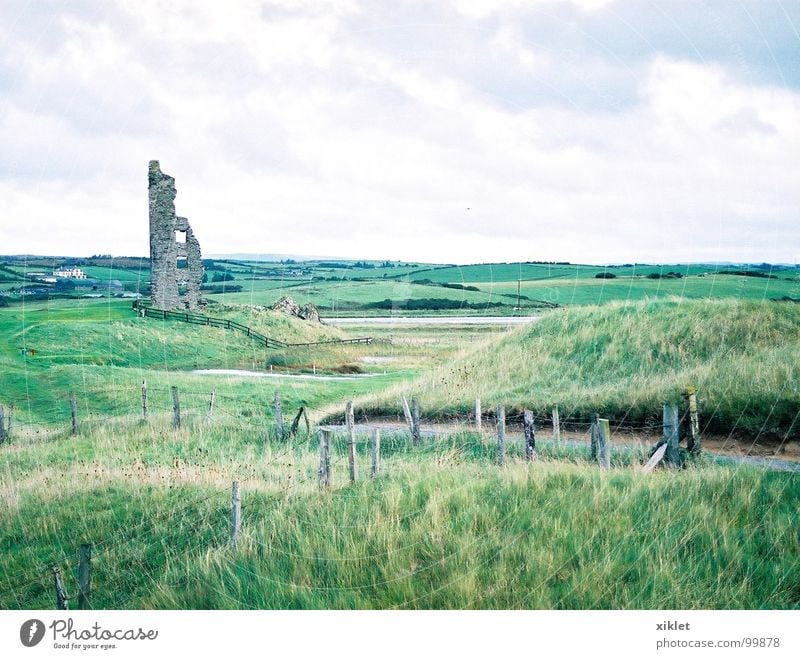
224 323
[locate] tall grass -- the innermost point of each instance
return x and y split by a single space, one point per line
441 527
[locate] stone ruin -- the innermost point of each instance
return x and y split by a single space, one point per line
171 241
287 305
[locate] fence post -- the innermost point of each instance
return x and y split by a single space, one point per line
478 414
73 411
62 601
501 435
351 441
144 400
556 425
176 408
415 433
236 514
210 412
672 456
84 576
693 429
594 432
407 414
375 447
530 435
603 447
278 415
2 425
10 418
324 458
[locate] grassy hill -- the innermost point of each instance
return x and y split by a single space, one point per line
625 359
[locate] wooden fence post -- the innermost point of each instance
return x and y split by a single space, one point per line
556 425
407 414
501 435
375 447
530 435
415 432
73 411
62 601
351 441
144 400
478 414
693 427
176 408
672 456
2 425
236 514
10 418
84 576
594 432
210 412
324 458
278 416
603 446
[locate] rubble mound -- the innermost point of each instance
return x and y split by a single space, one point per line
288 306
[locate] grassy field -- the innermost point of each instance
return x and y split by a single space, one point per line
102 350
372 288
442 527
624 360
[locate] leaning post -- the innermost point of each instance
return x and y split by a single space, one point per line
62 601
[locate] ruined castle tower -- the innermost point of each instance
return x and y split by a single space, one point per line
172 242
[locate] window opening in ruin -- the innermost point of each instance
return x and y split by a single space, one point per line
180 236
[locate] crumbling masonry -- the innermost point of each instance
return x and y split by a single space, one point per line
171 240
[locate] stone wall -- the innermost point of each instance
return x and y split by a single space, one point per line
167 280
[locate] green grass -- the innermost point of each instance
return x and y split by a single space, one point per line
443 527
102 351
624 360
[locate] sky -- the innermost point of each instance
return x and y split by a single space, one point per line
446 131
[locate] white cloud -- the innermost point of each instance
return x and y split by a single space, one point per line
288 132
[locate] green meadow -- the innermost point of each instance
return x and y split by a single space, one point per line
441 526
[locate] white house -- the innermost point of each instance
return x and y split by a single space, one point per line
69 273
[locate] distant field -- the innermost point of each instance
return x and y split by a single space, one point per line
372 288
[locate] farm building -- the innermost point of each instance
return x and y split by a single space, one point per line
67 272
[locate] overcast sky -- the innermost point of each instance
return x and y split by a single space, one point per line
444 131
